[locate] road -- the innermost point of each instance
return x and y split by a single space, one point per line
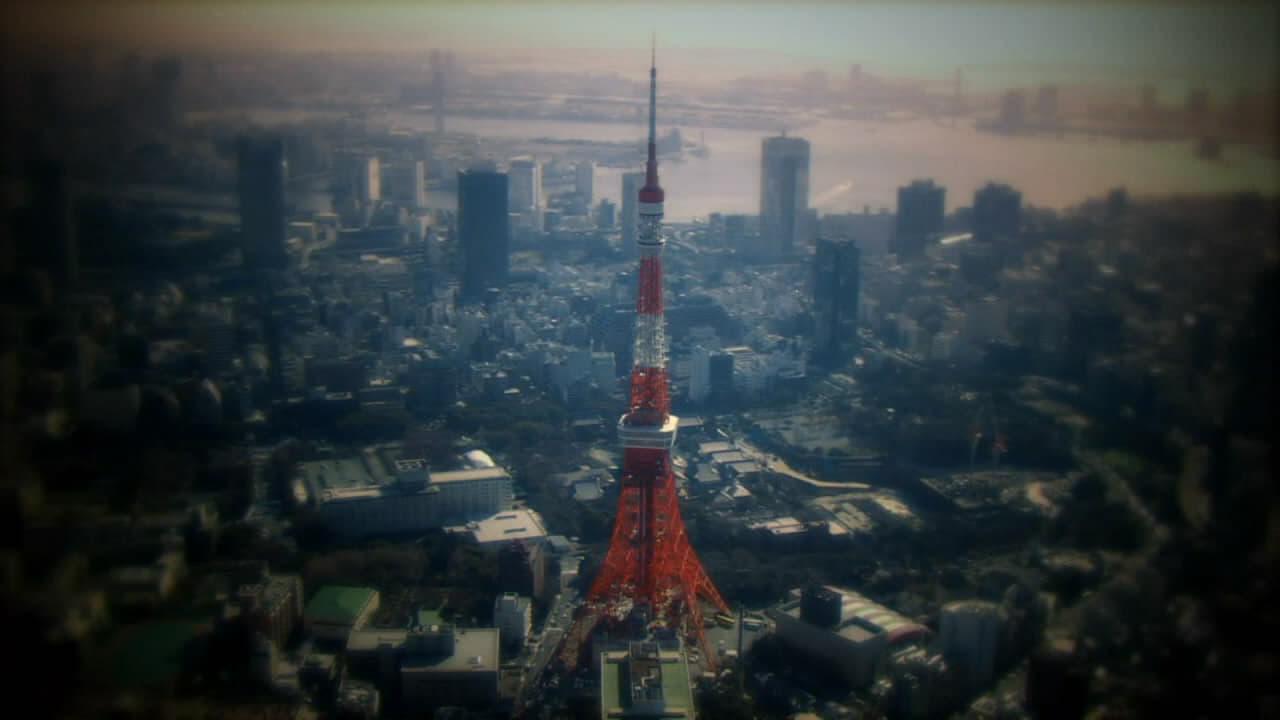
559 619
1157 533
777 465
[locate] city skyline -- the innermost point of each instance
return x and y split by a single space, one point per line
339 383
1175 47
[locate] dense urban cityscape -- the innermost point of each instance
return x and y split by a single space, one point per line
412 384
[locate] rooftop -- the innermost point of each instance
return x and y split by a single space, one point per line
474 650
665 671
521 524
425 618
338 604
721 458
371 491
369 640
860 618
335 474
708 448
781 526
482 473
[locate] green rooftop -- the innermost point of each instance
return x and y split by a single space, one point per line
426 618
338 605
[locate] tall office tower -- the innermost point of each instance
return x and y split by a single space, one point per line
370 179
584 181
407 184
836 283
526 185
921 207
784 194
650 571
997 213
484 231
359 175
699 374
262 169
606 215
631 183
969 633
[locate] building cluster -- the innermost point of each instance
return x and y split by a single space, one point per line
301 359
914 672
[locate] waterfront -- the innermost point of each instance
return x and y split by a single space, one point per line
862 163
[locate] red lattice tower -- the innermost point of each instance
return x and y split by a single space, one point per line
650 561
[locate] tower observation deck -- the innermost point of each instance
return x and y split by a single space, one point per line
650 565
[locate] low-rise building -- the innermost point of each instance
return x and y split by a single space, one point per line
844 629
446 498
359 700
446 666
513 615
499 529
272 606
374 653
645 681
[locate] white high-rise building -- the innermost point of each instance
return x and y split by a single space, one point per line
360 174
584 181
370 179
631 183
525 178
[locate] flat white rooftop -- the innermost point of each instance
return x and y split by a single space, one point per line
374 492
508 525
482 473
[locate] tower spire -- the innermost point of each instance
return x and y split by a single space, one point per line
651 165
650 562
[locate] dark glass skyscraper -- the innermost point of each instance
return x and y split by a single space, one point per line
784 193
997 213
921 207
261 166
484 231
836 284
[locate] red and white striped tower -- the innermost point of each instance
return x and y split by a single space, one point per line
650 562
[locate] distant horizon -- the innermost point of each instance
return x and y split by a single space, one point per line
997 44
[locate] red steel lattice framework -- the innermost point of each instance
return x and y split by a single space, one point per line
650 562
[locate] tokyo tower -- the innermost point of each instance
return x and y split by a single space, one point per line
650 565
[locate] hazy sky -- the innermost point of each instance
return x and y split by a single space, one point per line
996 42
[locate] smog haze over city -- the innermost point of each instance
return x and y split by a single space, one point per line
640 359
